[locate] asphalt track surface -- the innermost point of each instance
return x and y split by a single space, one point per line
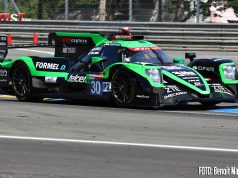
64 139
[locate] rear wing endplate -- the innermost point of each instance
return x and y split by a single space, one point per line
3 47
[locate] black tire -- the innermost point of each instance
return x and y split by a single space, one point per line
22 83
123 88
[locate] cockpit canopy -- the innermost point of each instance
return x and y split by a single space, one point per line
113 54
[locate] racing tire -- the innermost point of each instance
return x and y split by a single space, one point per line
22 83
123 88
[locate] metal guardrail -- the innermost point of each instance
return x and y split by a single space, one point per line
173 36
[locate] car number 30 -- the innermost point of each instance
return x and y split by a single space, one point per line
95 87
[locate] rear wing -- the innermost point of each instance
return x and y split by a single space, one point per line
70 45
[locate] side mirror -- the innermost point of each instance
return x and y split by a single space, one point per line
178 61
98 59
190 56
97 63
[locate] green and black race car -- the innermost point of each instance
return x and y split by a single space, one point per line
120 67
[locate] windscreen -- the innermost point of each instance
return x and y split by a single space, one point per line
147 55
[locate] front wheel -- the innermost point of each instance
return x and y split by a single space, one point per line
123 88
22 83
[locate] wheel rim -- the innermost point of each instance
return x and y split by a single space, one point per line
21 81
122 88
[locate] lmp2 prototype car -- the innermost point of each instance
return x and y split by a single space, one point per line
119 67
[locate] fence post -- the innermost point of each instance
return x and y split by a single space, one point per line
102 10
5 6
130 10
198 11
66 9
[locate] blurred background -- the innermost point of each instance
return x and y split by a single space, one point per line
122 10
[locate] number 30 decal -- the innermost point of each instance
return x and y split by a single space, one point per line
95 87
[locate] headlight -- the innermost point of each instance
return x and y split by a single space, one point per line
154 74
229 72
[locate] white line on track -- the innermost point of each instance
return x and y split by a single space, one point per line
120 143
37 51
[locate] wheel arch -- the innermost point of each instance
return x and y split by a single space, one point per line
138 79
24 60
110 71
113 69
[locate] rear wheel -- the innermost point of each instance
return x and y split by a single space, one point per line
22 83
123 88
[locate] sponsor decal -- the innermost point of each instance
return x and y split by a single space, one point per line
50 79
195 81
95 51
51 64
3 75
113 44
174 94
144 48
77 78
95 76
46 65
3 72
74 40
143 96
184 73
172 68
96 87
67 50
217 88
122 37
198 84
190 78
63 67
106 87
173 91
204 68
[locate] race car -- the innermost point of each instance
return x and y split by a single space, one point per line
120 67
